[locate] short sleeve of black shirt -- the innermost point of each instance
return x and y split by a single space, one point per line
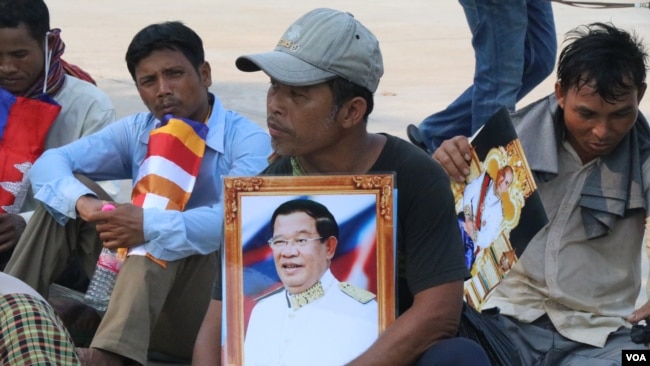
429 245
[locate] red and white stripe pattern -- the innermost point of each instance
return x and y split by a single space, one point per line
167 175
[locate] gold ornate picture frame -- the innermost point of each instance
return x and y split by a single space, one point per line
363 206
498 207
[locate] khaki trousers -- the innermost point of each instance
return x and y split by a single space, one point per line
45 248
157 309
151 309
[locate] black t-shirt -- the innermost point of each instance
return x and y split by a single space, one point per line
429 246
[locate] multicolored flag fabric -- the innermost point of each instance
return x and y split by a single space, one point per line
167 175
24 123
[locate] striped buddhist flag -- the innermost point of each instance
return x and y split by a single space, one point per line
24 123
167 175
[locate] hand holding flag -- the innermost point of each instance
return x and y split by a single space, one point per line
167 175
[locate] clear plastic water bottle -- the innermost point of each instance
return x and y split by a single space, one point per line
101 285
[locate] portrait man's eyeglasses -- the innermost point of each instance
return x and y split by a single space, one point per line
300 242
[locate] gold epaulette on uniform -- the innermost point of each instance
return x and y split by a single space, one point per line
357 293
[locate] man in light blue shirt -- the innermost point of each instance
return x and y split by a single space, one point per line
152 309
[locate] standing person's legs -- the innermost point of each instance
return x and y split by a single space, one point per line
498 40
498 31
454 120
156 308
540 46
44 249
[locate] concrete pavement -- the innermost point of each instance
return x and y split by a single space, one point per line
426 46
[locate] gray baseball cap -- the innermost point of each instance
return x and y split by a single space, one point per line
319 46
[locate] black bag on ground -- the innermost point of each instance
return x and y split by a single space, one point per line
494 339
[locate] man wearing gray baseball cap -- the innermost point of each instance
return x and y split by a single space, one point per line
324 71
320 46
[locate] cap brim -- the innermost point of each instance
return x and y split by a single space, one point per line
285 68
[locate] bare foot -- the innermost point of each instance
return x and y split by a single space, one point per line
98 357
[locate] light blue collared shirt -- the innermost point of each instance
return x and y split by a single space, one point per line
235 146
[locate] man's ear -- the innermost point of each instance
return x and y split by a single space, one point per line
50 40
330 246
352 112
641 92
559 94
205 73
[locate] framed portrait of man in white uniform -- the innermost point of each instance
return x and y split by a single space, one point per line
499 193
309 267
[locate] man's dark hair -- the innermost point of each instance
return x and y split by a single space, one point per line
33 13
610 58
344 90
173 36
325 222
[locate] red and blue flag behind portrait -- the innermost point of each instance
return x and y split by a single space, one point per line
24 124
355 259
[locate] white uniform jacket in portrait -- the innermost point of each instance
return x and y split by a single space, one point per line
330 326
